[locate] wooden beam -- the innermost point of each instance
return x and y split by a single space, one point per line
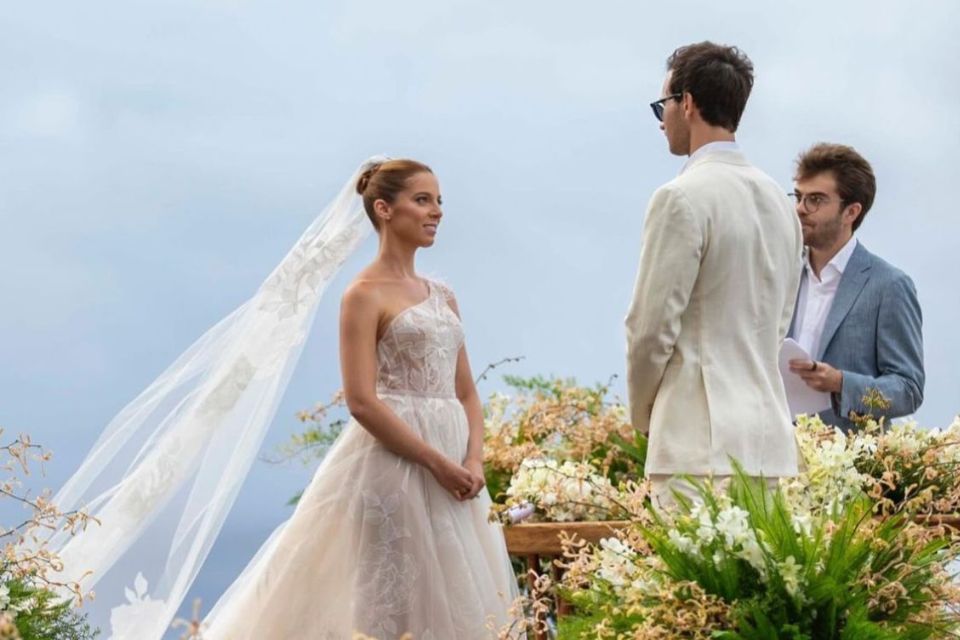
543 538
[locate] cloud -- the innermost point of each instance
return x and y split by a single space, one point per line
160 157
51 114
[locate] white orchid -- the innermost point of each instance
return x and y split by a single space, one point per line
563 492
682 542
790 573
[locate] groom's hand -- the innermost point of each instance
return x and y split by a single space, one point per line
818 375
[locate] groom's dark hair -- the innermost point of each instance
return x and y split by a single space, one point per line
717 76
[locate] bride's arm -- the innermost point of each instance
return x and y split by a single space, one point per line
470 399
359 316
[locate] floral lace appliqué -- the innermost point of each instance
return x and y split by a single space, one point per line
418 351
388 572
126 621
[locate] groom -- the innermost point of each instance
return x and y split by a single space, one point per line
719 269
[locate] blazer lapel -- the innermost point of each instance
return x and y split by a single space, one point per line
855 276
792 332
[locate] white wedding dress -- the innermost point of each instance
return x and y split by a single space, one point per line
376 545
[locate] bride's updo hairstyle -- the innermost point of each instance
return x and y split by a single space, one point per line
384 181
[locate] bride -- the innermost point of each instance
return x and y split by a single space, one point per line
391 536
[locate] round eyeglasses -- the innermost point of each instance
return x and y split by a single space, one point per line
811 202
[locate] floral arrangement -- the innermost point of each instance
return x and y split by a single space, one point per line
32 606
561 492
850 548
901 467
749 565
572 442
567 453
913 469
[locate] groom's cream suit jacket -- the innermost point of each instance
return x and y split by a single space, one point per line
719 270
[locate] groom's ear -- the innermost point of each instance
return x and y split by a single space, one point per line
690 109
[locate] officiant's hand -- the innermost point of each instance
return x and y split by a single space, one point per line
475 467
818 375
455 478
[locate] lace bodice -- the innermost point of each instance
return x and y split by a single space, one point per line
417 354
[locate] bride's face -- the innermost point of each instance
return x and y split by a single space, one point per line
414 216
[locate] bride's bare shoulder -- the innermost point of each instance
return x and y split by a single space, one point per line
362 293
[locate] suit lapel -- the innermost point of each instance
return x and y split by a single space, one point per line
855 276
792 333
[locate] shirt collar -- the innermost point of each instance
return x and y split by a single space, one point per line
718 145
840 260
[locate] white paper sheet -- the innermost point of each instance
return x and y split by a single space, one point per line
800 397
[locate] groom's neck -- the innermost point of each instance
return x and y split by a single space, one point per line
702 134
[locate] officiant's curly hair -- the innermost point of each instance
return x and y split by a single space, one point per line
385 181
717 76
851 171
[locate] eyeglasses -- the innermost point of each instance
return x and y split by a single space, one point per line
657 105
811 202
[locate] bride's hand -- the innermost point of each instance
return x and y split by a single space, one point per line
475 467
453 477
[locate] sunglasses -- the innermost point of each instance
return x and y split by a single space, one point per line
657 105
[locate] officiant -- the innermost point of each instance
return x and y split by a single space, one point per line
856 315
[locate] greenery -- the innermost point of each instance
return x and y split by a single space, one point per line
32 605
845 550
39 614
747 565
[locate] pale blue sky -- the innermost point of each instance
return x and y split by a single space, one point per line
158 158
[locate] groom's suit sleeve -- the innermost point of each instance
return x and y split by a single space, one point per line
673 244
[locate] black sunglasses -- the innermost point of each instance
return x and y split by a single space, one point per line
657 105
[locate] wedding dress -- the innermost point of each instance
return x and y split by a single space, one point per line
376 545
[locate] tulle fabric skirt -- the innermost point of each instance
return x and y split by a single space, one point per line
377 546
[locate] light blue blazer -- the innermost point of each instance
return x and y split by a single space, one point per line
873 334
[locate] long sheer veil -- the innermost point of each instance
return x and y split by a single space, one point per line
166 470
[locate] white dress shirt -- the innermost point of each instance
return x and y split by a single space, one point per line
816 297
719 145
